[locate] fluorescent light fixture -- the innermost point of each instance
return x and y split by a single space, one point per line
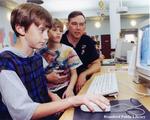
36 1
122 9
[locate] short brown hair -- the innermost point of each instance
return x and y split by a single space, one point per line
74 14
57 23
28 13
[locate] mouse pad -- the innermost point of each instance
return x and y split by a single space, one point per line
130 109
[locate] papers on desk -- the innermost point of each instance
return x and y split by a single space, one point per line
108 62
118 68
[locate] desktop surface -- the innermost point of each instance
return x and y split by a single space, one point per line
125 84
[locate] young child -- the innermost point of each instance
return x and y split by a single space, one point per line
62 60
23 89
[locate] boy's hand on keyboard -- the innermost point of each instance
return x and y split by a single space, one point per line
80 82
99 100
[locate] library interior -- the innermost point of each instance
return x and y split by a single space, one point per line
120 33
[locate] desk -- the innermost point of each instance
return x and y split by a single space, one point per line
125 92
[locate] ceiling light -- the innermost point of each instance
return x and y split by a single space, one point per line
133 23
97 24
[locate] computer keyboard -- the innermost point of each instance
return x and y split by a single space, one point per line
104 84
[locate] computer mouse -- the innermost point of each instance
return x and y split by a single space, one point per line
96 108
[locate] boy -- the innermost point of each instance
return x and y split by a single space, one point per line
62 60
23 90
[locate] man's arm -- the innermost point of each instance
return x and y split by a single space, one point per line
92 68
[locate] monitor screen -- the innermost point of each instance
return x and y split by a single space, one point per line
145 47
143 50
122 47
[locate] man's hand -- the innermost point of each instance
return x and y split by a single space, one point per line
80 82
55 77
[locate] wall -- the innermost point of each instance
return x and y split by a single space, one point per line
125 23
105 26
104 29
5 27
91 30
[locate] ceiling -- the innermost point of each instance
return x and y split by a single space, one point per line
69 5
61 8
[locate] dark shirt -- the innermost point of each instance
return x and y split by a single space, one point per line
85 49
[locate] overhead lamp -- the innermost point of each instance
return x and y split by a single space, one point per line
133 23
97 24
36 1
101 14
101 5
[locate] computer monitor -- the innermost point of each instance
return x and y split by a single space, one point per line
143 51
122 47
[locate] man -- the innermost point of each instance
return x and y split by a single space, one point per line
83 45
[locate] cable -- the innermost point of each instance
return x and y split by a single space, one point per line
140 93
137 92
132 110
131 113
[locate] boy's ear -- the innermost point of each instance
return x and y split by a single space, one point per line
20 30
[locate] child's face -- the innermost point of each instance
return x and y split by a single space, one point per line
36 36
55 34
